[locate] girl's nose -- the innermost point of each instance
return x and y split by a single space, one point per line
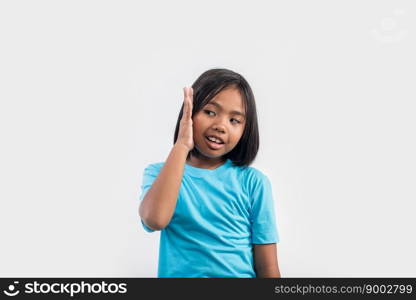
219 128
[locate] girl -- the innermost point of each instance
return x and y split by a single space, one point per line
215 213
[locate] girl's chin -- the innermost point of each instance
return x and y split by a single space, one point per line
210 154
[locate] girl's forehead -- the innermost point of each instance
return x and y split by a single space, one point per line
229 100
228 97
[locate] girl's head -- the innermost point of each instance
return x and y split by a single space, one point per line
223 107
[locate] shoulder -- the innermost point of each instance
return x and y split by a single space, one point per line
253 178
153 167
253 174
258 186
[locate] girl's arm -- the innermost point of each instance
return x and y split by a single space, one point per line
158 205
265 260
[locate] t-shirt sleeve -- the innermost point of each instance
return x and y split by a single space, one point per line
149 175
263 220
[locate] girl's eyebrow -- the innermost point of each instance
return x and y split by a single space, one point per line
234 112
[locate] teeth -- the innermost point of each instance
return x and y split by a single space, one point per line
213 139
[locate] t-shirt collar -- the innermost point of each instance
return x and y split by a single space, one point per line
201 172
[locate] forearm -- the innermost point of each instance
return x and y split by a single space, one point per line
270 272
159 203
265 260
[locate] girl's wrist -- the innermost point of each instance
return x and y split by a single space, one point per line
181 147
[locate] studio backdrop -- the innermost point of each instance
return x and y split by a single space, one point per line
89 96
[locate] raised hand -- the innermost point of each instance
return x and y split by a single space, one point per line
185 135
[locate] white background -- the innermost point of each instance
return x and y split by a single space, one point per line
90 92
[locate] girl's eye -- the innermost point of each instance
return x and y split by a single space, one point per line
208 112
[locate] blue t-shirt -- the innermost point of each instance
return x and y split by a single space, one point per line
219 214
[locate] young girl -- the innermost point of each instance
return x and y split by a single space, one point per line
215 213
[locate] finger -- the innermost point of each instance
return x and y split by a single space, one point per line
189 100
185 111
184 93
188 92
188 104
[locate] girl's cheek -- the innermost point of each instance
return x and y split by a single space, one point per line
196 122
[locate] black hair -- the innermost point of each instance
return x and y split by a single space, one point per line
206 87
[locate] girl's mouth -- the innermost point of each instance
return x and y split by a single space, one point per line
213 145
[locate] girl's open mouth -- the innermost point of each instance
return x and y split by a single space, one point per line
213 145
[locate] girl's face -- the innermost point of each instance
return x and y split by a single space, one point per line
222 120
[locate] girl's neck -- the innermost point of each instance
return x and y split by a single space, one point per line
204 162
